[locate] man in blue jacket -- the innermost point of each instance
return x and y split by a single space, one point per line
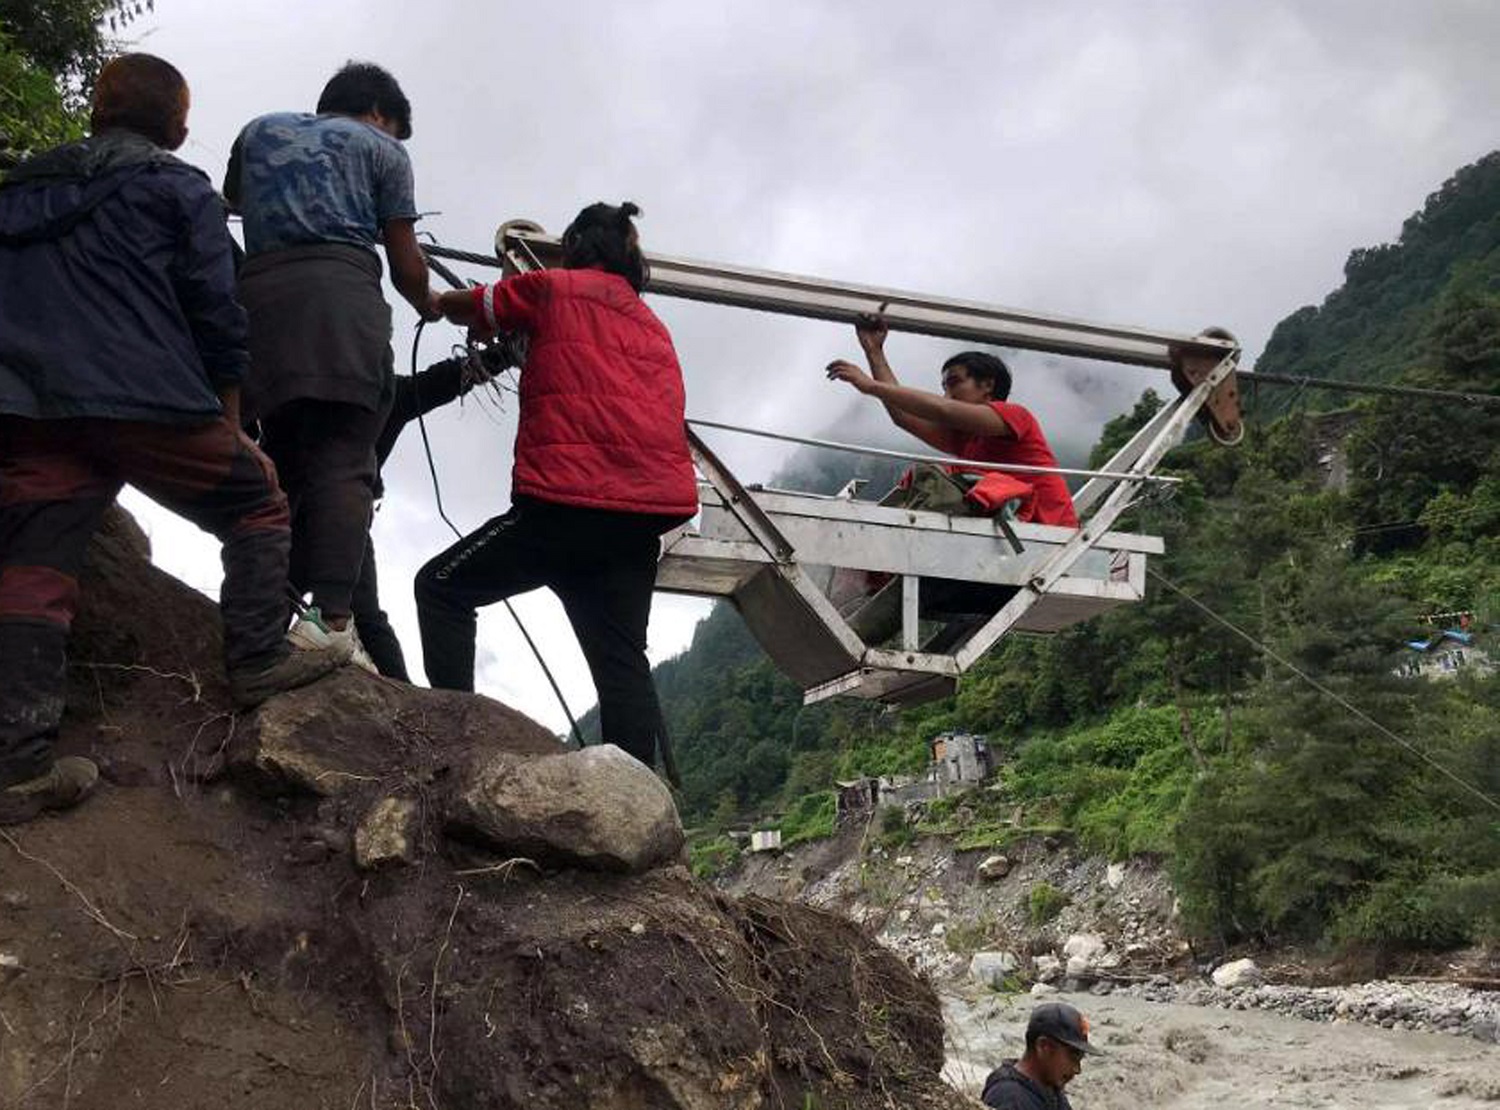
122 348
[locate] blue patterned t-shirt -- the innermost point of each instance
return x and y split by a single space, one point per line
299 179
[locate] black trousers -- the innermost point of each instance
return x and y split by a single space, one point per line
375 630
600 564
56 479
325 457
374 624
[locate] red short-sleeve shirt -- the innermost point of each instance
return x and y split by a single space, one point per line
1053 505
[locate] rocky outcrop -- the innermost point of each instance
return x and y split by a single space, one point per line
1238 973
597 808
1425 1007
353 897
992 868
531 799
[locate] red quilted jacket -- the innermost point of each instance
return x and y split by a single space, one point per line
601 394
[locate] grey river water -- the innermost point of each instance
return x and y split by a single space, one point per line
1182 1057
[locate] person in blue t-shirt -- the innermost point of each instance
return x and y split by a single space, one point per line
318 192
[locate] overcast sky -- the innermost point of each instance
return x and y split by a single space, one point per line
1170 165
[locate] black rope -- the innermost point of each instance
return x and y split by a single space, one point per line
432 250
1304 381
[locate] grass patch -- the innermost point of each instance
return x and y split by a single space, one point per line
1119 785
713 857
967 937
1045 902
811 817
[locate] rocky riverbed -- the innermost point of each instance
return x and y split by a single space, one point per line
1185 1028
1416 1007
1185 1056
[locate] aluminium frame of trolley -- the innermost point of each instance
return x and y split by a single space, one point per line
768 551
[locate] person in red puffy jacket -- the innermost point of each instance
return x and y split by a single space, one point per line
602 469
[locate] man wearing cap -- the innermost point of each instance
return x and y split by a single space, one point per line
1057 1039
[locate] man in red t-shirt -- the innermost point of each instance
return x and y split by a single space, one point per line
971 419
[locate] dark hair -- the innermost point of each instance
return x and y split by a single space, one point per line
602 235
363 87
140 93
985 369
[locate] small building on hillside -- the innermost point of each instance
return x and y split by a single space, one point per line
956 759
765 840
1445 654
856 799
960 757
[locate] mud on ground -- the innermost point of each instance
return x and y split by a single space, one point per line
197 935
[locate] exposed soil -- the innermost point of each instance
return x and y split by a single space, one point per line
196 936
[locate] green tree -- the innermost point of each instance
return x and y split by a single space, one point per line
69 39
1117 432
49 55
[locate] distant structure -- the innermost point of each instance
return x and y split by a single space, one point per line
960 758
1445 654
765 840
857 799
956 759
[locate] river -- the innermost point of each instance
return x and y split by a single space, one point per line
1184 1057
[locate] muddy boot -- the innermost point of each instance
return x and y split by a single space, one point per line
251 685
70 780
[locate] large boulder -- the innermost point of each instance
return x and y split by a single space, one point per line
993 868
1088 947
354 729
992 969
597 808
1238 973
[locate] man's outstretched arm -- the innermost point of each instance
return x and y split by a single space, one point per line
931 418
872 334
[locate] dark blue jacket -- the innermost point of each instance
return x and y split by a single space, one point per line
116 286
1006 1088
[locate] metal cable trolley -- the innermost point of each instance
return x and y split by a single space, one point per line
853 598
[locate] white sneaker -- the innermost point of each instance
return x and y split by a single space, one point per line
311 633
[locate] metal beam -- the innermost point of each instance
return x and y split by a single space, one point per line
1199 365
820 299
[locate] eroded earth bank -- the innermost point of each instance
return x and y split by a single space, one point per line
368 895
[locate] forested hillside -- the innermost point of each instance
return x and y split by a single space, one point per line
1160 729
1380 324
